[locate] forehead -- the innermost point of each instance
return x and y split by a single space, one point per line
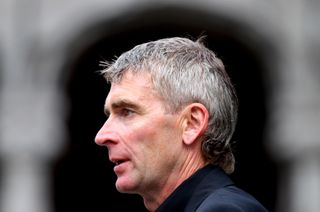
135 86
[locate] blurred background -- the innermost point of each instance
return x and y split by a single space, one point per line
52 96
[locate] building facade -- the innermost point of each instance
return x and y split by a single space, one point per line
50 94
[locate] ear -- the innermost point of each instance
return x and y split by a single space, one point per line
195 122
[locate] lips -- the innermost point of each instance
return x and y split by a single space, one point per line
120 167
118 161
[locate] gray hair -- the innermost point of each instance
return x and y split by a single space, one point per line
185 71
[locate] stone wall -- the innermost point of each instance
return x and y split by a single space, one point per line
39 38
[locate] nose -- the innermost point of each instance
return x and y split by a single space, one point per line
106 135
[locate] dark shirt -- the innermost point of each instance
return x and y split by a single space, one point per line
210 189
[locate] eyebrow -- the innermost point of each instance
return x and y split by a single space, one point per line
121 104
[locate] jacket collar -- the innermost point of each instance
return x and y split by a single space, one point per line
195 189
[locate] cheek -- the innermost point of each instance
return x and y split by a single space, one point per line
144 140
141 138
158 138
151 140
145 130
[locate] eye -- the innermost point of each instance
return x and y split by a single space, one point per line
107 114
125 112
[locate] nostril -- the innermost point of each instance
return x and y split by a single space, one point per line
100 138
104 137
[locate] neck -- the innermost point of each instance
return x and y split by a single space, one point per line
189 165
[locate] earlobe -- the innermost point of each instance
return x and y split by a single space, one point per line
195 122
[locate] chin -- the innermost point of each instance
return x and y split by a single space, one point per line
126 187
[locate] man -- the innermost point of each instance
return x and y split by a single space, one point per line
171 113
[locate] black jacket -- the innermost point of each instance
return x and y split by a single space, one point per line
210 189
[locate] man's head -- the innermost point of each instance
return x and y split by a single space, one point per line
184 72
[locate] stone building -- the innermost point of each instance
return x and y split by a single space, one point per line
51 96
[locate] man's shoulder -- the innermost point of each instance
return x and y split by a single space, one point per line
230 198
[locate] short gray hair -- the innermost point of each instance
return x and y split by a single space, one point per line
185 71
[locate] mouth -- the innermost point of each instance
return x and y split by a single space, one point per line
120 166
117 161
